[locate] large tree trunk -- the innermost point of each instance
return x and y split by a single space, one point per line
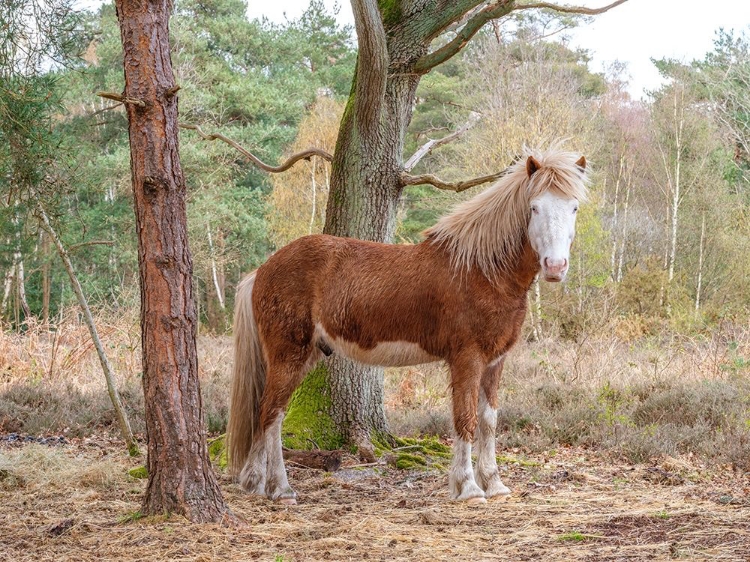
181 479
366 168
364 193
393 40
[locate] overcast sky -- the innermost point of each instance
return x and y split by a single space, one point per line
634 32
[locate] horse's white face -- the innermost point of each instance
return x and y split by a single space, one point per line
551 231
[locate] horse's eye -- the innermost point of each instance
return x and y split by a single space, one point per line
575 210
534 209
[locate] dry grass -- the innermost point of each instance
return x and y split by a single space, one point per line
77 503
51 382
639 400
573 418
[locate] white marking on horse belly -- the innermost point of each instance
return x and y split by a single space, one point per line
384 354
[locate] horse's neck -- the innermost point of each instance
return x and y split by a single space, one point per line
520 275
516 278
528 266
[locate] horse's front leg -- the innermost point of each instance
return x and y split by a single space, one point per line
486 472
465 377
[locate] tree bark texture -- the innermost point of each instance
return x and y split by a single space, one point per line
394 38
366 187
181 479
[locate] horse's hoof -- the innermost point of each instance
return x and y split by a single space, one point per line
476 501
287 501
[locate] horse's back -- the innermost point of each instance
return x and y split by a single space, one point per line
380 303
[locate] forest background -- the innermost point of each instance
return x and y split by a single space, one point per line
644 349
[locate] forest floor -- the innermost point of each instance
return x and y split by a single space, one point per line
75 501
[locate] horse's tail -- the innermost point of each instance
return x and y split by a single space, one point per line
249 378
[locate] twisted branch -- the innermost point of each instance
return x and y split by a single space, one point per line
294 158
570 9
459 186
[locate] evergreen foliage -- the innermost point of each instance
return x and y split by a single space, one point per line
274 87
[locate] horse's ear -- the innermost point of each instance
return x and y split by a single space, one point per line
532 165
581 163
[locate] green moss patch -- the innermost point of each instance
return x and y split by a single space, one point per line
427 453
217 451
407 461
308 423
139 472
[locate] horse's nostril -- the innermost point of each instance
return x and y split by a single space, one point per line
555 265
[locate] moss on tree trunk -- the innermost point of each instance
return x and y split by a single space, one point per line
309 424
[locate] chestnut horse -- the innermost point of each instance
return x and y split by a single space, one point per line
460 296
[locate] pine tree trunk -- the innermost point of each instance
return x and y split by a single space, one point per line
181 479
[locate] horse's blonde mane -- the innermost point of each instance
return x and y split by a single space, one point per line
488 230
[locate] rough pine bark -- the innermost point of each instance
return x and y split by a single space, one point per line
181 479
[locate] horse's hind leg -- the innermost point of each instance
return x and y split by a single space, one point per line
253 475
465 377
486 472
281 383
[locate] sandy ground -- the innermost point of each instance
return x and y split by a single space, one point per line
75 502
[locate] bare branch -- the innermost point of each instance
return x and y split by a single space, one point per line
120 412
494 11
569 9
294 158
432 144
459 186
122 99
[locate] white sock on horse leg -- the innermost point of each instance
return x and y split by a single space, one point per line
277 486
486 472
461 478
253 475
